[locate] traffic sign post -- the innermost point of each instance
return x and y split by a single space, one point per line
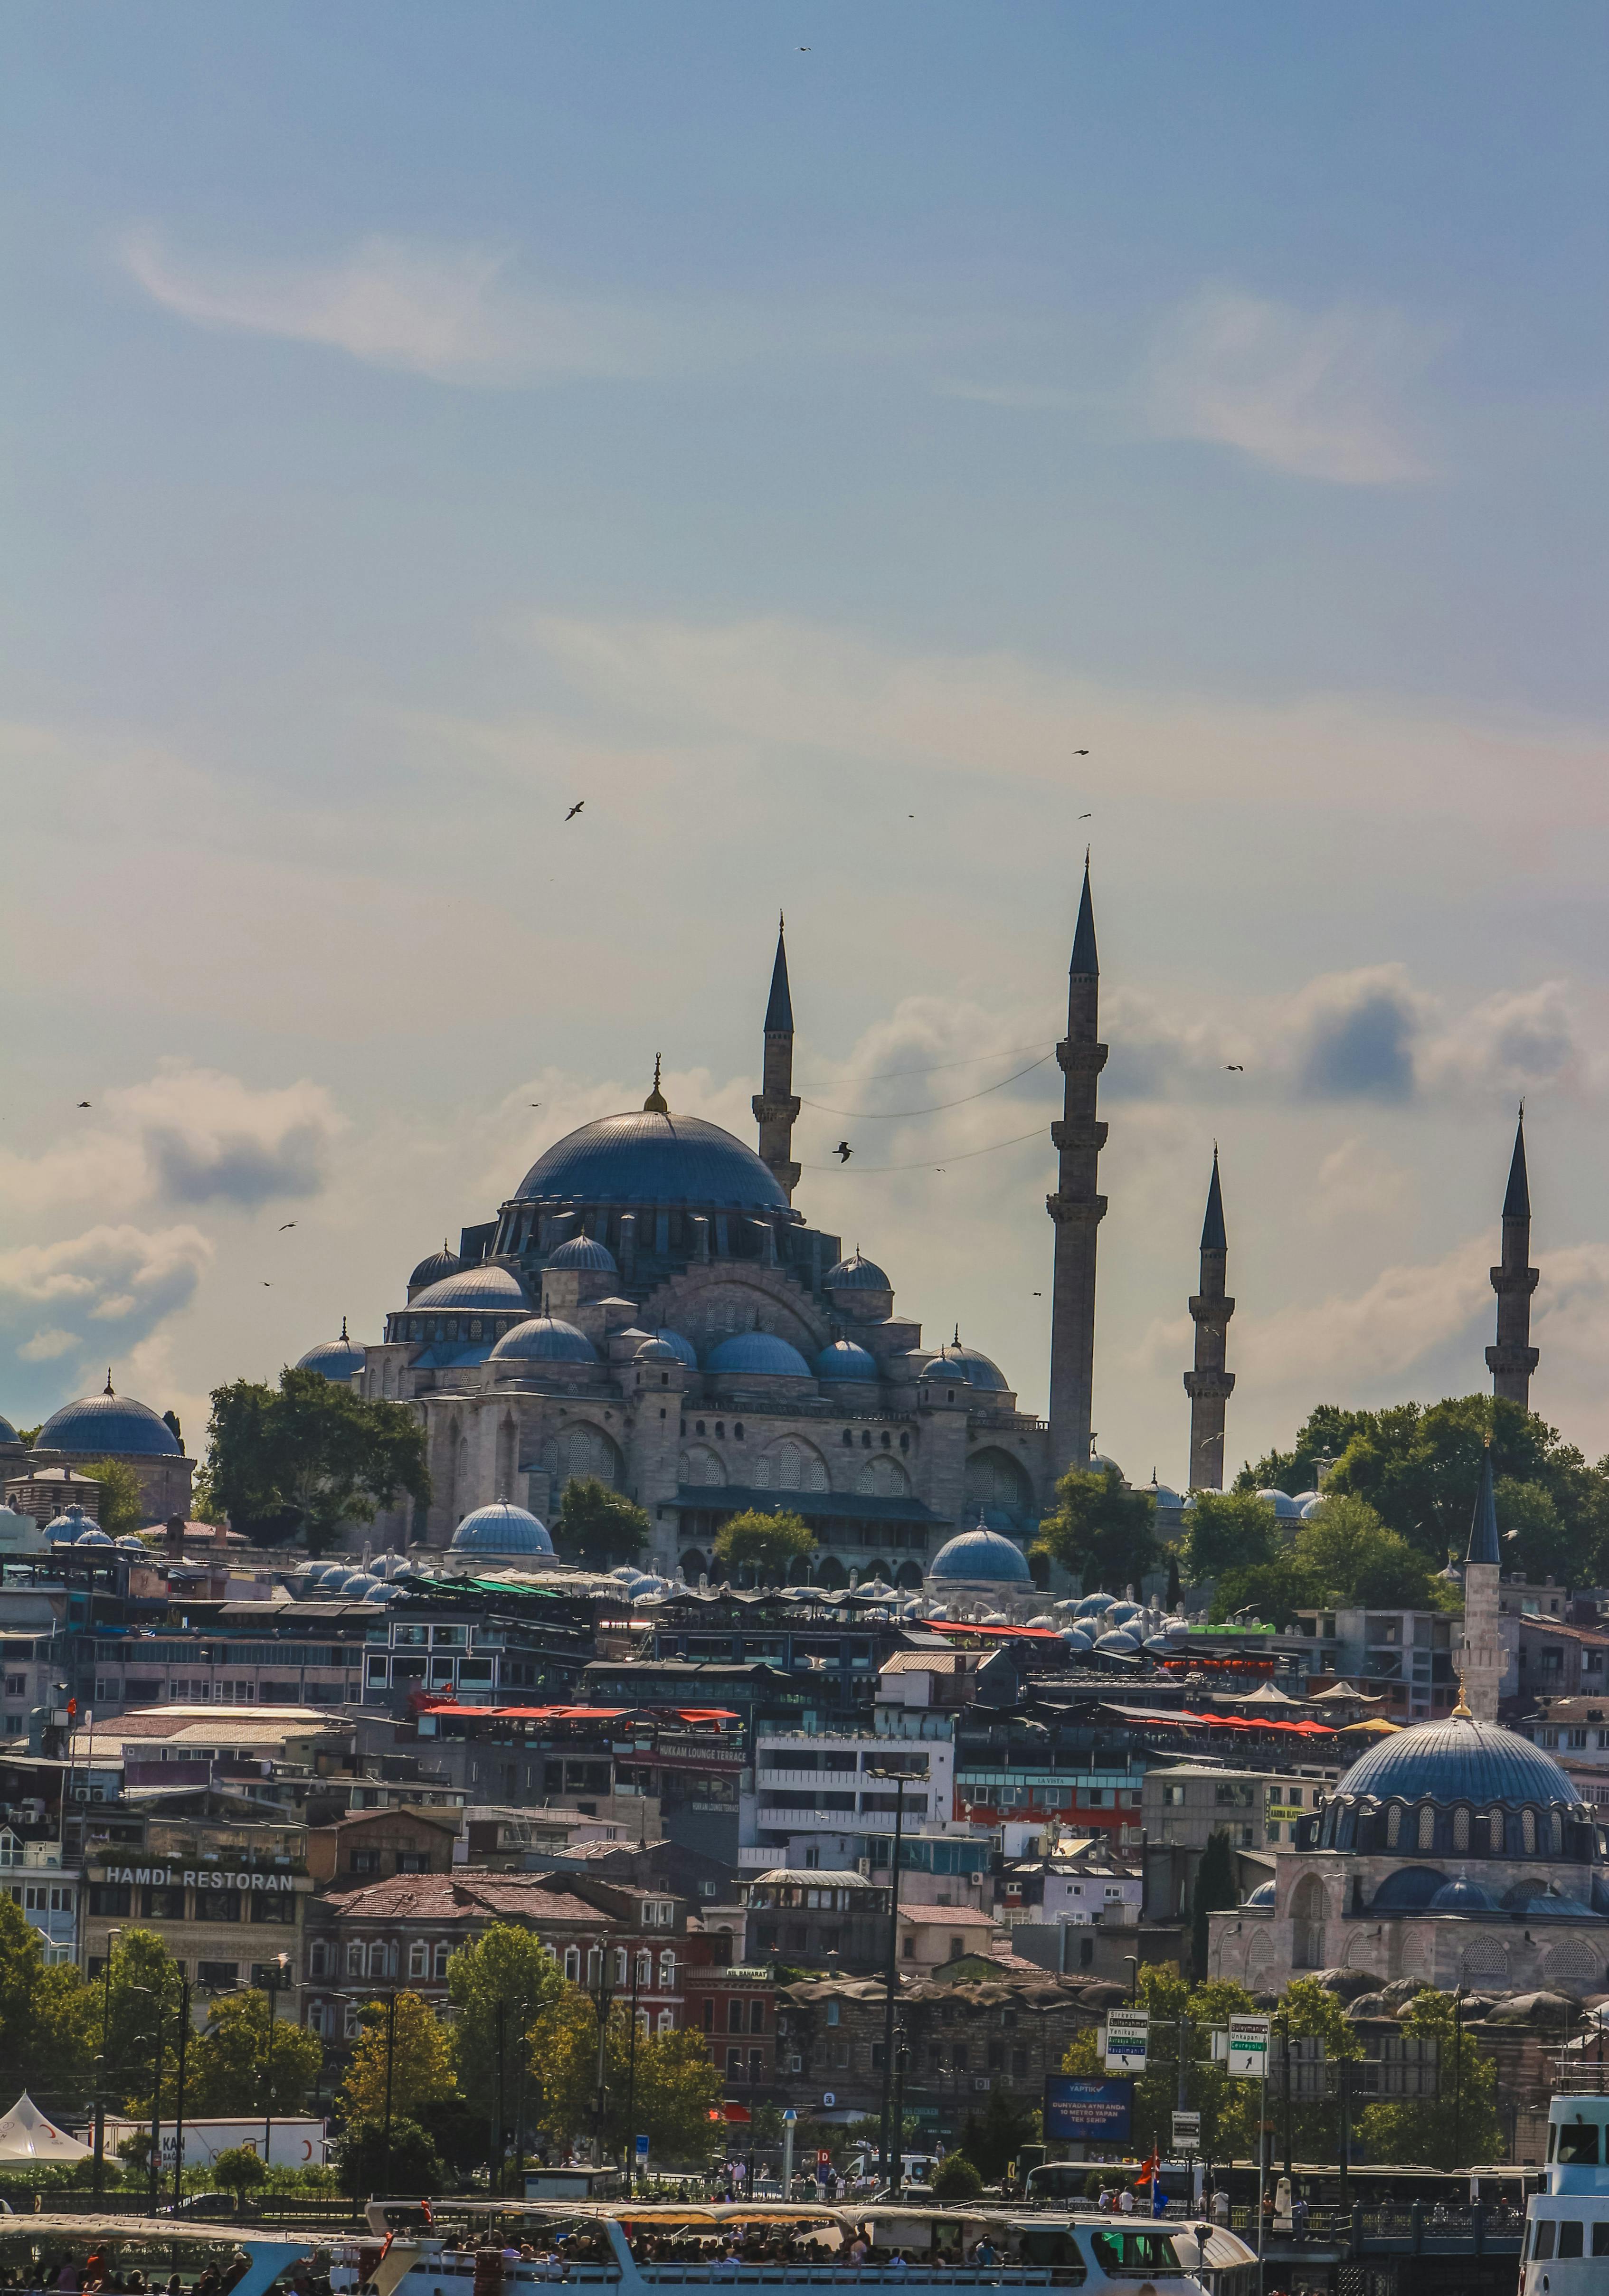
1128 2040
1186 2135
789 2121
1249 2047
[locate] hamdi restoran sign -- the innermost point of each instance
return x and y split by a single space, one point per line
198 1877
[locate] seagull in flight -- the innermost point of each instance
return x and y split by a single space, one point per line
84 1104
843 1152
1235 1068
536 1103
575 809
1085 816
284 1225
1081 753
267 1285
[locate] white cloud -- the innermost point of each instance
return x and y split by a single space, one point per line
1515 1041
1356 1183
1311 393
1350 1345
45 1346
107 1289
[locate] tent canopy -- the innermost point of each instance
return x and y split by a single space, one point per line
26 2135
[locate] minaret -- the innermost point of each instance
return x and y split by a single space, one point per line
776 1108
1076 1207
1481 1657
1210 1386
1514 1358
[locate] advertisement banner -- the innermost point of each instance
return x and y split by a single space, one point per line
1078 2111
1128 2039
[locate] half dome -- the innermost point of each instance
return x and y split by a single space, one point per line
756 1355
844 1360
108 1424
856 1273
492 1289
586 1253
646 1157
982 1558
501 1528
545 1339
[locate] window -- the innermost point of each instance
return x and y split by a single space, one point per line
833 2010
735 2015
709 2016
1600 2238
573 1963
1570 2237
1542 2232
365 1861
668 2016
219 1975
377 1959
757 2065
1578 2144
316 1958
645 1969
757 2016
354 1960
1173 1797
734 2064
1393 1826
1427 1827
910 1948
667 1973
1528 1831
623 1965
442 1953
419 1959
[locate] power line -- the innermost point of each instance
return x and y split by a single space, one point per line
888 1115
936 1068
927 1163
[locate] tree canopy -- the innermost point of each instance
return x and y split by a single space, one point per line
506 1968
1229 1530
1418 1466
1341 1553
1228 2108
767 1543
122 1502
1460 2124
422 2063
49 2019
598 1525
231 2069
1101 1533
310 1459
366 2163
670 2087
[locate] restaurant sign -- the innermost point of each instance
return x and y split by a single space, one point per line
198 1877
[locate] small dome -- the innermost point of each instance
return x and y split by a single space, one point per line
379 1593
1303 1498
1119 1613
844 1360
1118 1644
965 1363
71 1524
1098 1464
1164 1496
1461 1896
1044 1619
1310 1509
435 1270
681 1348
1094 1606
586 1253
9 1436
1263 1895
757 1355
351 1582
486 1287
1282 1503
339 1359
655 1351
856 1273
321 1573
387 1566
982 1557
108 1424
501 1528
545 1339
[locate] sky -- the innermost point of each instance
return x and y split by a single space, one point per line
863 456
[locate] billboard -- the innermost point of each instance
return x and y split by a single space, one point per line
1079 2111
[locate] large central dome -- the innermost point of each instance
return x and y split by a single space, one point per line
649 1157
1459 1761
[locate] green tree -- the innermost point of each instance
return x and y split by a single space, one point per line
1228 2107
1307 2012
367 2166
1230 1530
1100 1532
1458 2128
766 1544
1217 1888
123 1507
49 2018
672 2083
599 1526
956 2178
238 2169
231 2069
992 2138
310 1459
1341 1553
506 1970
143 2001
421 2063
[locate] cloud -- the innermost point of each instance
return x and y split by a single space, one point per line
1354 1346
105 1290
1356 1182
1515 1041
1355 1036
1310 393
45 1346
455 314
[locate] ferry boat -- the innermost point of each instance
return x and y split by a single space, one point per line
1566 2250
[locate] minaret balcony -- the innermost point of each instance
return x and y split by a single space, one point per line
1513 1359
1507 1280
1091 1138
1208 1386
1076 1058
1205 1309
1075 1211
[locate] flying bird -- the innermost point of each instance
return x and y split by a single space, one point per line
1081 753
536 1103
575 808
1085 816
267 1285
284 1225
1235 1068
83 1103
1038 1295
843 1152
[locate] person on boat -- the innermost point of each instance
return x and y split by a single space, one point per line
1220 2206
986 2254
1125 2201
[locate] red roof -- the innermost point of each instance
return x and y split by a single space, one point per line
958 1627
464 1896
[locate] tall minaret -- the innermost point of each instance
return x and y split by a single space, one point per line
1208 1386
1514 1358
1481 1658
1076 1207
774 1105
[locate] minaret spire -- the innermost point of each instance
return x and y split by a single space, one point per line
1076 1207
1514 1358
1209 1385
775 1107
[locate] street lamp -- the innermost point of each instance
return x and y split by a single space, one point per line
111 1936
273 1977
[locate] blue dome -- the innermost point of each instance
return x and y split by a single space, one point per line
757 1355
1409 1891
982 1556
1094 1606
339 1359
1118 1643
434 1270
1263 1895
107 1424
856 1273
488 1287
844 1360
355 1583
681 1348
545 1339
1282 1503
647 1158
585 1252
8 1433
501 1528
656 1352
1462 1896
1457 1761
965 1363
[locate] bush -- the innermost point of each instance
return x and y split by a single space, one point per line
956 2178
239 2170
361 2164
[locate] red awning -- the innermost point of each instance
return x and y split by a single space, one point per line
1027 1633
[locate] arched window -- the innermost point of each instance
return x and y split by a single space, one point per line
1528 1831
1427 1826
994 1478
790 1465
666 2021
1460 1828
882 1478
1555 1828
1393 1826
645 1969
667 1973
377 1959
354 1960
419 1959
1307 1923
581 1450
849 1439
573 1963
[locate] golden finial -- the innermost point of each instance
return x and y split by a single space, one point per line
656 1101
1461 1712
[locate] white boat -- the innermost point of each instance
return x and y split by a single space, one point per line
1566 2250
153 2242
637 2251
